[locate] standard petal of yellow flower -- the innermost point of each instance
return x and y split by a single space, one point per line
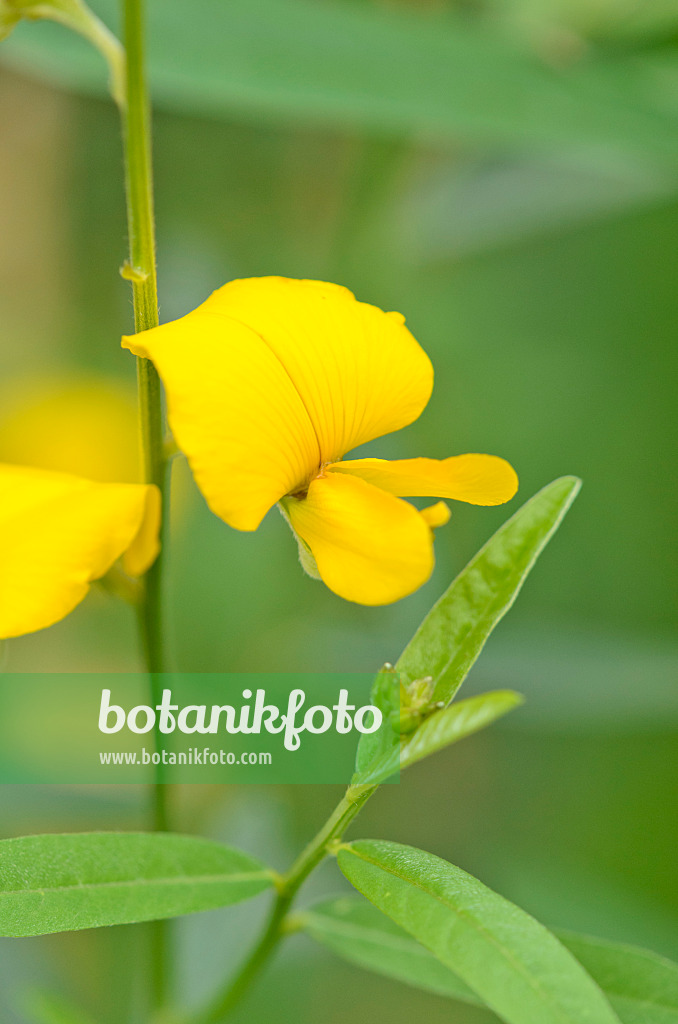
234 412
369 547
436 515
58 533
358 370
477 479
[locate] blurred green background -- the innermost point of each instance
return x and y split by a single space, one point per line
504 173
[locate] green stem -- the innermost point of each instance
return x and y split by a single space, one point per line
76 15
288 886
141 271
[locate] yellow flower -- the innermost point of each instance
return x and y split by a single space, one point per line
269 383
58 533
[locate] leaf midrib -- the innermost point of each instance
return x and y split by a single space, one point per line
247 876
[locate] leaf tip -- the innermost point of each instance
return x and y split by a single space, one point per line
573 482
512 698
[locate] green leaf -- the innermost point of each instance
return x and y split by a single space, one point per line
394 72
361 934
641 986
439 730
455 630
457 721
514 965
380 751
57 883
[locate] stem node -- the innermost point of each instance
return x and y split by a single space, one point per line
133 274
281 922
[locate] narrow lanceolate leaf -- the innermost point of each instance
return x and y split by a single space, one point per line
451 724
384 70
515 966
641 986
378 753
57 883
439 730
454 632
361 934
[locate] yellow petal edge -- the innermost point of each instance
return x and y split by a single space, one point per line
58 533
369 547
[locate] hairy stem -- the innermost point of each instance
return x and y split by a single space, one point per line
141 271
142 274
288 886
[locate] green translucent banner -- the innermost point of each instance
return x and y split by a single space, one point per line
81 728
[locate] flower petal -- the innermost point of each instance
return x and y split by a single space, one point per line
369 547
358 370
436 515
478 479
234 412
60 532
